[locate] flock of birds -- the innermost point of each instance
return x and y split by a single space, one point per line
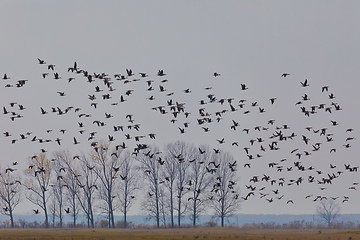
255 143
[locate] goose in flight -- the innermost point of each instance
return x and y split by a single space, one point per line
129 72
331 96
143 74
9 170
272 100
325 88
243 87
41 61
75 141
51 66
216 74
6 77
161 73
305 83
56 76
305 97
5 111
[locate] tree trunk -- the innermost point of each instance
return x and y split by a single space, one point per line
194 214
111 214
222 213
91 215
125 213
60 217
74 220
11 218
171 208
157 209
112 217
74 211
92 220
179 212
46 213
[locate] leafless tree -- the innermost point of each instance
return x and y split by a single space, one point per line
177 159
128 183
169 173
164 207
86 179
70 180
39 174
10 191
53 208
107 166
225 193
80 180
328 210
201 175
150 167
59 188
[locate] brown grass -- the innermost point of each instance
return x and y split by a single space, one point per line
186 233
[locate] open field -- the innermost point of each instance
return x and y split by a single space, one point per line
188 233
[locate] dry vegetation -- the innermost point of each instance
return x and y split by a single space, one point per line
188 233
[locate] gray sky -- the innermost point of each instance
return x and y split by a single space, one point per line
247 42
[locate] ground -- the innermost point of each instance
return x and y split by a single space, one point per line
184 233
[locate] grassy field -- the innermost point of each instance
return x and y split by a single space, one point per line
186 233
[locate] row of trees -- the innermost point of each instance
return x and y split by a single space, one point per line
181 179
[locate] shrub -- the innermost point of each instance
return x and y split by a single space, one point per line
210 224
103 223
119 224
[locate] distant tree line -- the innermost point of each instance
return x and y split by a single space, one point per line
103 223
180 179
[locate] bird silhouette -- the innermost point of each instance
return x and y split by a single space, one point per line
305 83
6 77
9 170
243 87
75 141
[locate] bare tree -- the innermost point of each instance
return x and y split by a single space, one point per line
224 195
164 207
128 184
53 211
39 175
107 162
10 191
169 173
59 189
178 157
199 181
69 178
328 210
86 179
71 197
150 167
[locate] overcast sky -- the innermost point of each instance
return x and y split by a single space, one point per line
247 42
